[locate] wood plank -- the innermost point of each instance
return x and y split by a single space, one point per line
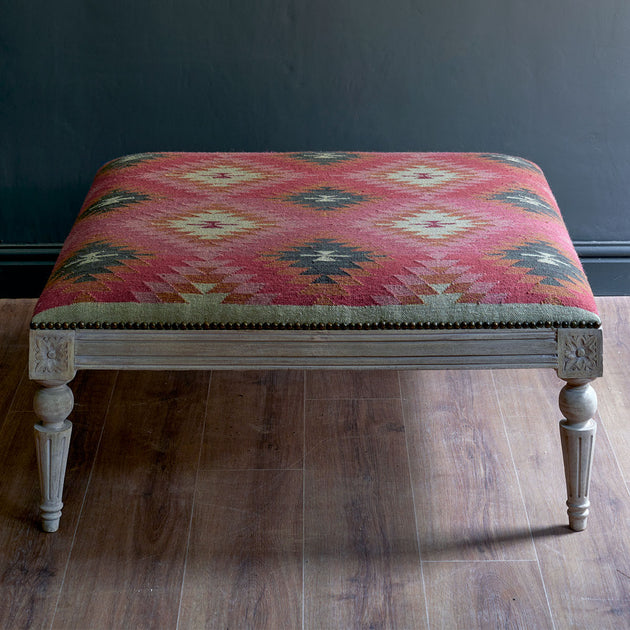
614 313
612 390
127 564
486 595
32 563
255 420
153 436
244 567
458 449
586 574
13 378
361 567
613 396
15 316
23 393
352 384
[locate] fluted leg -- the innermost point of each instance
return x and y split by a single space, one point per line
53 404
578 403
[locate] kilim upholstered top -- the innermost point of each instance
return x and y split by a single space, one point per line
300 240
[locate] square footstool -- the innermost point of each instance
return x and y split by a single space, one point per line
317 260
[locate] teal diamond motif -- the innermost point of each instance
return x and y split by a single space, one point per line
113 200
542 259
324 157
96 259
511 160
326 198
526 199
325 258
130 160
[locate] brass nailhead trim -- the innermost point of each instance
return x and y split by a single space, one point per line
300 326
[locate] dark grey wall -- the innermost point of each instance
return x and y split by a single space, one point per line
83 81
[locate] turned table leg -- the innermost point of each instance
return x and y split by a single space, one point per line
53 404
51 364
578 403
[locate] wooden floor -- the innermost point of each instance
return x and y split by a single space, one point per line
320 500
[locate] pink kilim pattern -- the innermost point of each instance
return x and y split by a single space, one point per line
340 229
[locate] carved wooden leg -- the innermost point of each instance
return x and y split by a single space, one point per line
578 403
53 404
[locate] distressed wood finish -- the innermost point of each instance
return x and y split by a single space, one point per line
580 353
578 403
53 405
55 355
52 356
129 349
579 362
51 364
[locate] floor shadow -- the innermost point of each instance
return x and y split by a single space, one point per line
486 545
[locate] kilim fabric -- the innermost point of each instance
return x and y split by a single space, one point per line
314 239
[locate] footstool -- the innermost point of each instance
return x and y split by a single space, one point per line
317 260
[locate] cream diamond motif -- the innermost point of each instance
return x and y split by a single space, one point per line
213 224
223 176
422 176
433 223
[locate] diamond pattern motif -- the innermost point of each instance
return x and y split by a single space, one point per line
325 259
422 176
527 200
94 260
330 157
272 236
222 176
327 198
434 223
544 260
213 224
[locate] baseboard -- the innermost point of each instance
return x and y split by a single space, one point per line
24 269
602 249
607 265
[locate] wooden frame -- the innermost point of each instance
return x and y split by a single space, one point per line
56 355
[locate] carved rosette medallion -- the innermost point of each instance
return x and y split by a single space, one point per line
579 353
52 355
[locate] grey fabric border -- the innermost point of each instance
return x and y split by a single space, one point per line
200 312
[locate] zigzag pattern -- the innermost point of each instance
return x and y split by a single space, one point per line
307 229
